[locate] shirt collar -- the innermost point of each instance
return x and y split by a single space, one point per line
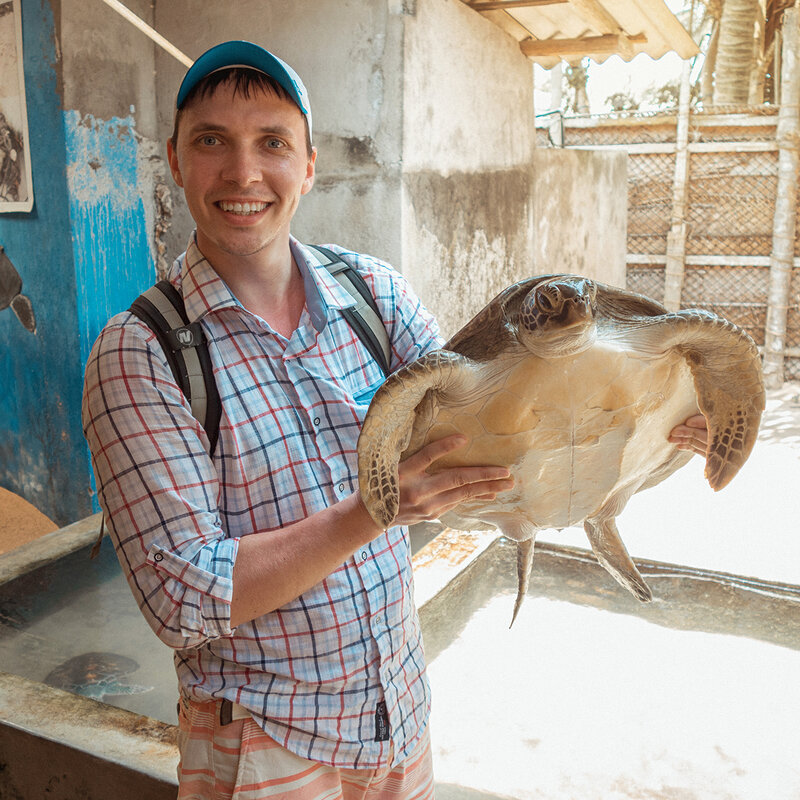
323 291
204 291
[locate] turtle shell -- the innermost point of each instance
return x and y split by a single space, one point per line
574 386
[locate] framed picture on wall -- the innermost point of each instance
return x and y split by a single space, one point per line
16 185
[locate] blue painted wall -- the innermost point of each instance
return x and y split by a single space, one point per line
83 255
111 248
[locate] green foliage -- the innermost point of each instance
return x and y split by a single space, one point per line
622 101
668 95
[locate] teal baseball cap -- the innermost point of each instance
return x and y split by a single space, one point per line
252 56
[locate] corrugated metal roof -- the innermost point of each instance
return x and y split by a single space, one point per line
551 30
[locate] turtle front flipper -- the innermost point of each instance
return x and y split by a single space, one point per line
612 554
388 425
726 370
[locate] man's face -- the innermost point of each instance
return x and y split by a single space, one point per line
243 166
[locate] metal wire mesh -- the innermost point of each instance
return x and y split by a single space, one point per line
653 130
731 203
649 202
739 294
647 280
729 211
793 312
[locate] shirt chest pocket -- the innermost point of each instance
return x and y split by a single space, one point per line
364 397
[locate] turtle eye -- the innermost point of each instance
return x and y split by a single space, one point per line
544 301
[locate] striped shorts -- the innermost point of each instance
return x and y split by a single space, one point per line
238 761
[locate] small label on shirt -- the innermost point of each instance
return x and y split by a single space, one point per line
381 723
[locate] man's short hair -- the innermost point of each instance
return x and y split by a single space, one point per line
245 82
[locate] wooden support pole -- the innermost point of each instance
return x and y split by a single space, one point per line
139 23
676 238
783 229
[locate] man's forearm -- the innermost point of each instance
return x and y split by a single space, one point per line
275 567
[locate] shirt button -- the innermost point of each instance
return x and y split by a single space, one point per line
341 487
316 420
364 555
158 557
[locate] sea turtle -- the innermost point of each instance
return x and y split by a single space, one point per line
96 675
11 293
574 386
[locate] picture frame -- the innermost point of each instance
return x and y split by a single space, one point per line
16 181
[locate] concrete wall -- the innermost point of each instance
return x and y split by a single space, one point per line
41 442
423 120
91 243
581 211
116 171
468 142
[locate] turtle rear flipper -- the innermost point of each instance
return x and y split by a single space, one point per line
524 566
388 425
22 307
612 554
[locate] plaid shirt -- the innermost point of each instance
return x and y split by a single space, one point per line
313 672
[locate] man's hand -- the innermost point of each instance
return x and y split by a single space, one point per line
424 496
692 435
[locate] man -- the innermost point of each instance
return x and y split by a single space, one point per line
297 645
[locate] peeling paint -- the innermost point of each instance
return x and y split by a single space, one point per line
111 179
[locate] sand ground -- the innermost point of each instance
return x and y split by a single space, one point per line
20 522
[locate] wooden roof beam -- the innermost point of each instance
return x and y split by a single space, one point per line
500 5
608 44
595 15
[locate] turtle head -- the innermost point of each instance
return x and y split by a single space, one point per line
557 316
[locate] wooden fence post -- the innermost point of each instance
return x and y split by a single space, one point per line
783 229
676 238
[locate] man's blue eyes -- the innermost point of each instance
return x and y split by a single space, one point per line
272 144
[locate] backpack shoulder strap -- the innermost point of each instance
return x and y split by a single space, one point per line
365 318
162 309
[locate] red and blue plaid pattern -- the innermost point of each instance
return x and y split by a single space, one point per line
314 671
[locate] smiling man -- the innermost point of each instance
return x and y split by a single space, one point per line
297 644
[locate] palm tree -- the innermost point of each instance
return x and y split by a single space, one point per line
742 49
741 28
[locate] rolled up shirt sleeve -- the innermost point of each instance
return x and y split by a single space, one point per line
158 487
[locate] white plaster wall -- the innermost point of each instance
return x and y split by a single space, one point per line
468 92
468 142
107 64
581 209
